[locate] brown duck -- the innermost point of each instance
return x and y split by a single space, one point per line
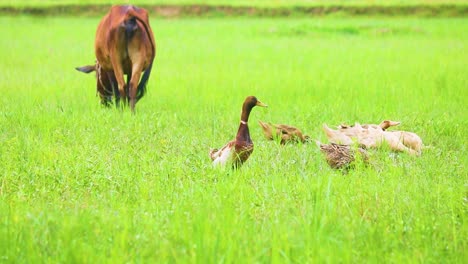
287 133
340 156
237 151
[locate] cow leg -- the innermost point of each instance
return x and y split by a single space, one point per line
113 90
136 73
104 87
118 73
104 94
117 94
127 88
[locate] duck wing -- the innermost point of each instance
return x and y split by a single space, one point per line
223 155
242 153
287 129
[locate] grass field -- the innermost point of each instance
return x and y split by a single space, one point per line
270 3
243 8
83 184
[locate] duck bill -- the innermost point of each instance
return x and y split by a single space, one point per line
261 104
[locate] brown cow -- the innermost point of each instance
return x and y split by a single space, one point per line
124 45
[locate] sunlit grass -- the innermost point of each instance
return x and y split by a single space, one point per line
266 3
84 184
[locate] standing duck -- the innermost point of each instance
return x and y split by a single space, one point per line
288 134
237 151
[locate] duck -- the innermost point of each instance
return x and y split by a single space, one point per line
384 125
374 136
336 136
237 151
341 156
287 133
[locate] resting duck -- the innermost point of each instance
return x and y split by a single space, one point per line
384 125
340 156
337 136
373 136
288 134
237 151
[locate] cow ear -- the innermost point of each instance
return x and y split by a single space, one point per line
86 69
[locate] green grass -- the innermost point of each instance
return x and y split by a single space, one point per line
265 3
82 184
251 8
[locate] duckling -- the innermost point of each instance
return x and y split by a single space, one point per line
237 151
340 156
288 134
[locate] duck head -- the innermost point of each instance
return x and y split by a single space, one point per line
249 103
388 123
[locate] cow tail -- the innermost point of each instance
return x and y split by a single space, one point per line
130 26
141 90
